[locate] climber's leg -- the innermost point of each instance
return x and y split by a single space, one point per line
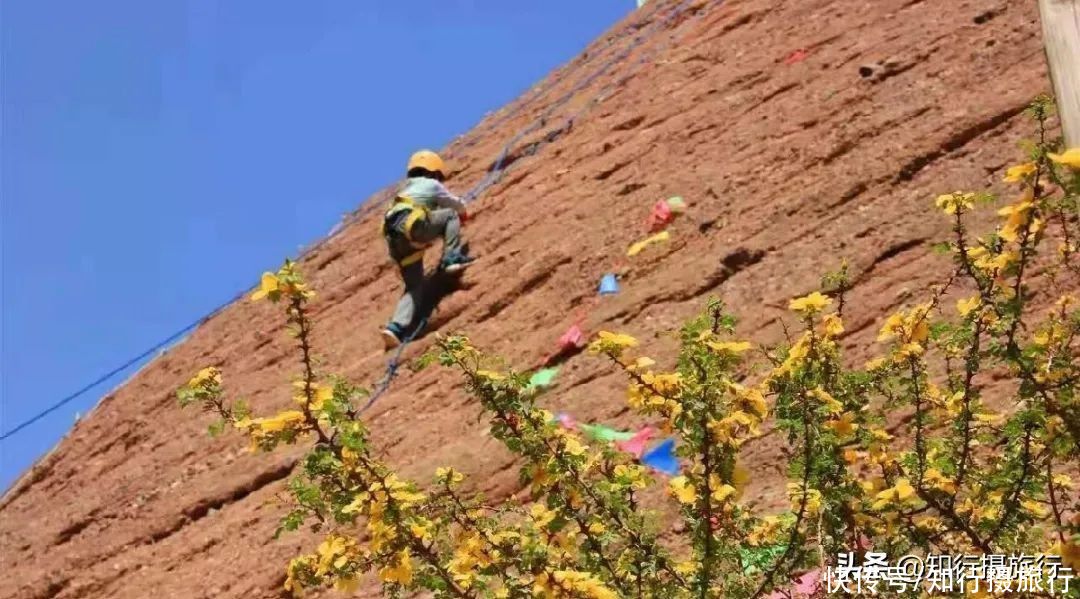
446 224
413 276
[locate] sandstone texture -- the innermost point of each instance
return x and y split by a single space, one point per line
788 160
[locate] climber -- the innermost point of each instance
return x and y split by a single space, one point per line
422 212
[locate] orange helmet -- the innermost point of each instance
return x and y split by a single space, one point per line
429 161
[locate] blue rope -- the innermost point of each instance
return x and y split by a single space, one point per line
391 368
115 371
493 176
540 91
498 169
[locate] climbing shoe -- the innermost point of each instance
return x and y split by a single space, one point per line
456 262
391 337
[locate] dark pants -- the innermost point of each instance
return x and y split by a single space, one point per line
442 223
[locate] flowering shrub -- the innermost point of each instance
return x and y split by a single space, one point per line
952 475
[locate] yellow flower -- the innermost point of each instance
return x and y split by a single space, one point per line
812 498
951 203
401 491
731 347
617 339
832 325
320 394
795 357
611 343
967 306
939 481
875 364
491 375
765 531
844 426
681 488
347 585
733 428
282 421
900 493
851 455
269 285
830 403
741 477
722 492
634 473
910 350
641 364
929 524
1063 481
541 515
572 445
597 528
1070 157
686 568
909 327
421 529
1041 338
1017 216
401 572
448 475
1035 508
998 263
580 583
332 553
206 375
1016 174
752 400
1069 552
810 304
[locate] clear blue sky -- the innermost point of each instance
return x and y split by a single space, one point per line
156 156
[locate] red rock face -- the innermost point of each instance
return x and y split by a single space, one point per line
786 165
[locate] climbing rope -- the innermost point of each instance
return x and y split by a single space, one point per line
500 167
115 371
493 176
541 90
391 368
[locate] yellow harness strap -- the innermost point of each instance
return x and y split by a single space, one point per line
416 212
412 258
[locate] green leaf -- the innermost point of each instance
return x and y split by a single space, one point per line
758 559
943 248
216 428
290 522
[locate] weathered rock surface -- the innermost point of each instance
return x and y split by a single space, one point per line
786 167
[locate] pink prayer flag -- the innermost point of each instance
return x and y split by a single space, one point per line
808 583
567 421
573 338
636 446
802 587
796 56
660 216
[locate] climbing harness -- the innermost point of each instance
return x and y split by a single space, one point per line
403 208
501 164
492 177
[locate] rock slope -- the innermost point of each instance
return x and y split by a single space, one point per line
787 164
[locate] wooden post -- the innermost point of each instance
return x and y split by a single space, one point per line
1061 36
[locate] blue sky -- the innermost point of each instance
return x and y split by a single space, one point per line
155 157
